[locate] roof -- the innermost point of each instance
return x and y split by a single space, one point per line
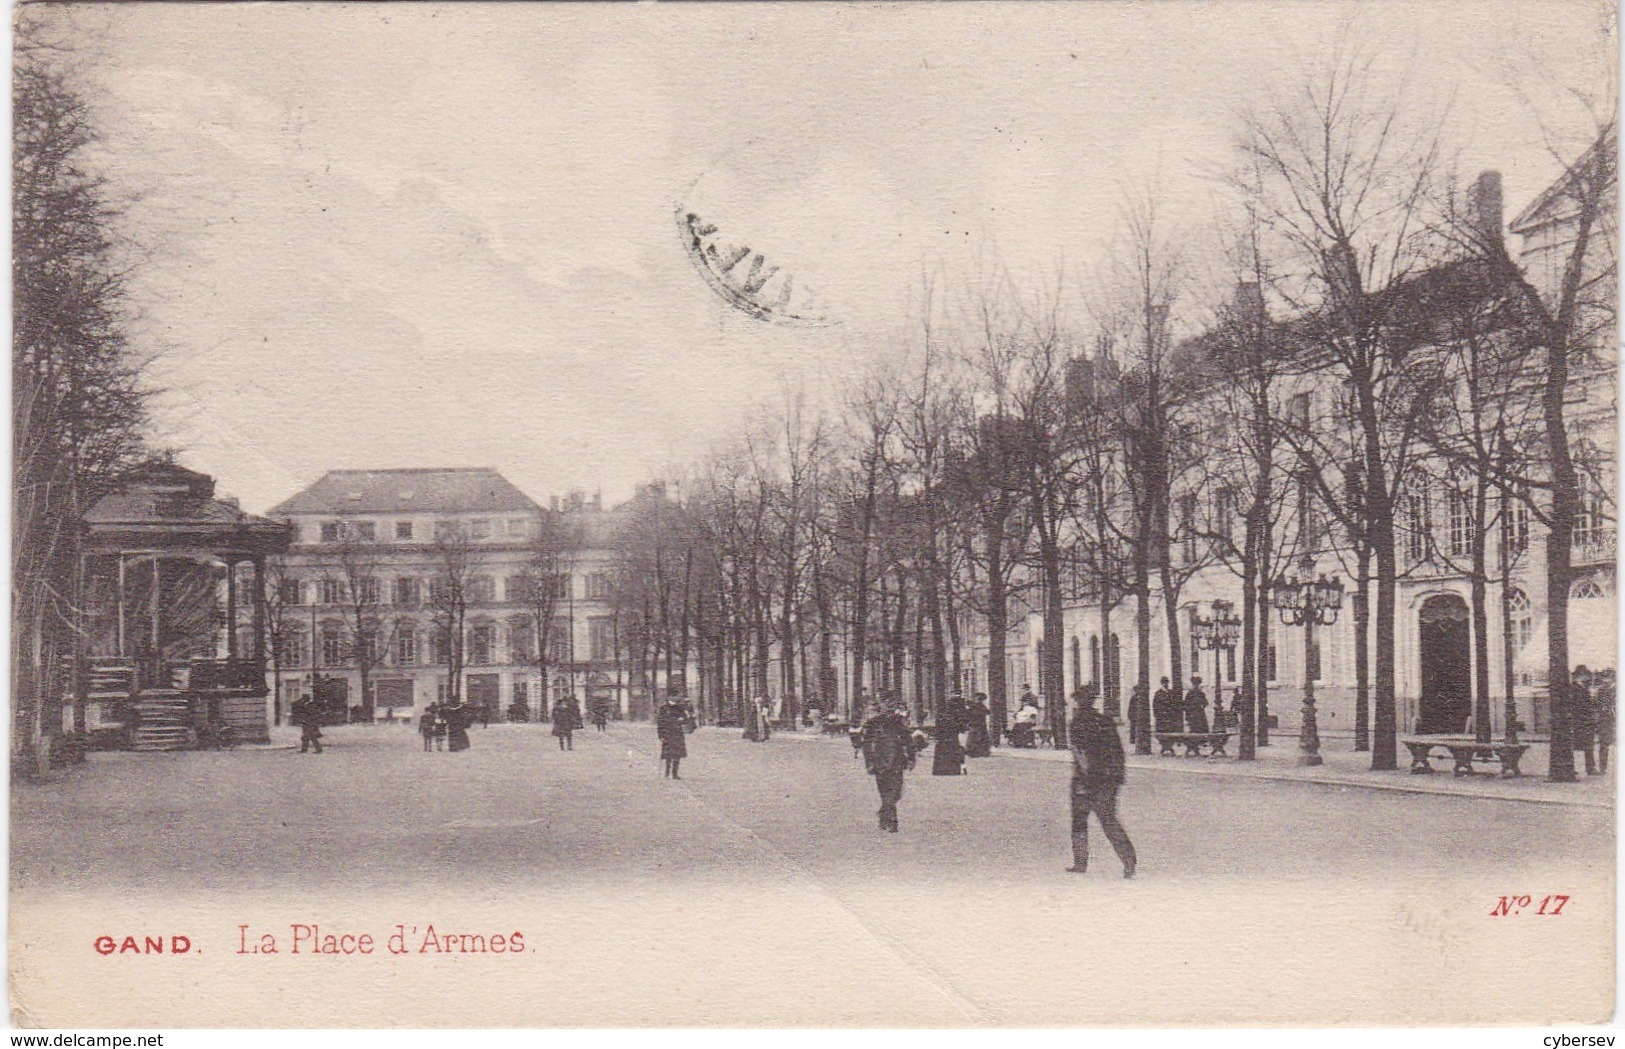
1540 210
166 506
458 490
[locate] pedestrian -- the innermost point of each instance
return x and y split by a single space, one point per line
1024 733
978 744
764 719
888 753
1196 707
1582 718
1098 772
673 722
1166 710
566 719
308 718
600 715
1602 701
948 759
426 726
459 719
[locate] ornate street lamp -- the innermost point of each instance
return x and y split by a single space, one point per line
1306 603
1217 634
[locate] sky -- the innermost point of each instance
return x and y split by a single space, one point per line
392 235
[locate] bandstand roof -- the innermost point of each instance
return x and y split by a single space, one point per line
166 508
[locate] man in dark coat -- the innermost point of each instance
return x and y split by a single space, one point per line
1166 711
305 715
566 719
888 752
1602 701
1098 771
949 757
1196 706
978 744
673 722
1582 717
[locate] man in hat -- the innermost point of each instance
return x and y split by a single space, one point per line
304 715
888 752
1098 771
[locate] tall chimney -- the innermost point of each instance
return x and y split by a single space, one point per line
1484 207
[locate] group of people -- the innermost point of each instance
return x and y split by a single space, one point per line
444 726
890 748
1591 716
1171 713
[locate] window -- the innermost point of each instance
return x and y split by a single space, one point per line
482 589
1461 522
371 591
558 586
601 638
559 644
439 591
406 645
480 529
1224 512
438 649
1308 524
521 693
1187 525
291 645
1589 514
1522 619
480 643
362 531
1419 526
405 592
598 586
1515 528
366 648
514 587
291 592
520 638
330 531
445 529
1587 590
334 650
1230 665
1298 413
403 529
332 591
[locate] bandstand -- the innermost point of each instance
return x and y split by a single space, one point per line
173 638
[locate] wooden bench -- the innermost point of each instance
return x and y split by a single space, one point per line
1194 742
1464 752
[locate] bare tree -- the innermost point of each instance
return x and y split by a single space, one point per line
456 558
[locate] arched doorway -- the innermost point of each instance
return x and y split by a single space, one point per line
1446 645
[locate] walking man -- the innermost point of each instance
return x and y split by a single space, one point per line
1166 711
310 730
1097 773
888 752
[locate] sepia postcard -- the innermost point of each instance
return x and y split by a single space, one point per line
820 515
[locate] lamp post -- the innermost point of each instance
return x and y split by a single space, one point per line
1305 603
1217 634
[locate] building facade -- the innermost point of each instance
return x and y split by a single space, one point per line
441 580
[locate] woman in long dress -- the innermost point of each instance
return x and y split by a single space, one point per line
458 719
948 756
978 744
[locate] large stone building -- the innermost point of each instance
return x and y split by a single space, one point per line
376 548
1435 654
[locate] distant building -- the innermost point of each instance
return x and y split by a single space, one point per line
382 535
